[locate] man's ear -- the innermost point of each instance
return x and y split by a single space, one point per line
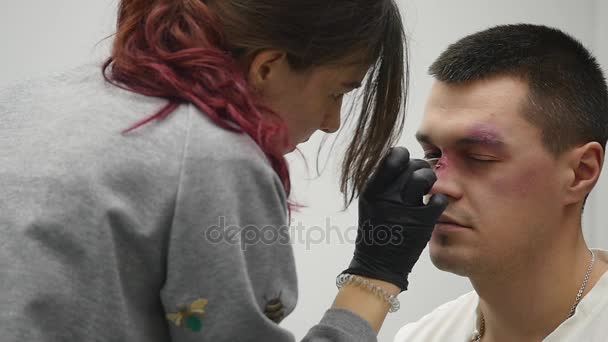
266 66
585 163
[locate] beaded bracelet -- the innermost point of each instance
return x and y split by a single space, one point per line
346 278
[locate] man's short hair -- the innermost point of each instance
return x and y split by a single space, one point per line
568 97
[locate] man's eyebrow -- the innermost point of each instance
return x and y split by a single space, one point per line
481 136
474 138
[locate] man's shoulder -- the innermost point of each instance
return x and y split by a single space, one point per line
450 320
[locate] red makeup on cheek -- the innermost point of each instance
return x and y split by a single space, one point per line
520 182
442 165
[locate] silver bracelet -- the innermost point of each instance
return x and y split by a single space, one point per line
346 278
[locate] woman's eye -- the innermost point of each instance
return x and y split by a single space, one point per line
337 97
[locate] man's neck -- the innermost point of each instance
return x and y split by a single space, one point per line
531 302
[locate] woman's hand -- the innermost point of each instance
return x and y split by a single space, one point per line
394 223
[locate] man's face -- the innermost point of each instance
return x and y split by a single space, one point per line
504 186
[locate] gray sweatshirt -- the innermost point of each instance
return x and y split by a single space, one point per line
139 237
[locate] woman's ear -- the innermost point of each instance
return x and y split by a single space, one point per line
586 163
266 67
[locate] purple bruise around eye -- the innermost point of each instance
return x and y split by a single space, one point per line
486 134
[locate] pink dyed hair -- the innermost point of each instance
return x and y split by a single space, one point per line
181 55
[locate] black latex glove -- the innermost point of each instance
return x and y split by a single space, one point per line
394 223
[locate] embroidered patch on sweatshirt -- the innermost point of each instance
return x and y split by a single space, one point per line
190 317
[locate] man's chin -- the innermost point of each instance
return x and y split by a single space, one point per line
449 261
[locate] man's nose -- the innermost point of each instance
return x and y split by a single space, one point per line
446 184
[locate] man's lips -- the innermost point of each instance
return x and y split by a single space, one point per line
445 220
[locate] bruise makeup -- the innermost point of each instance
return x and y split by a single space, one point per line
482 135
485 135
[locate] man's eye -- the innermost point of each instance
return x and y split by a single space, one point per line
482 159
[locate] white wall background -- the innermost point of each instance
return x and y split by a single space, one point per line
432 25
39 37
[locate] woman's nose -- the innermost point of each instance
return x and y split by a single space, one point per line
331 122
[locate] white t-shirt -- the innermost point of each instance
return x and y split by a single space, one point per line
455 321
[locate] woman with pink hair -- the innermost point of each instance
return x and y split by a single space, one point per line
177 229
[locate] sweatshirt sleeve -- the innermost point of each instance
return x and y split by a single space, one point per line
230 271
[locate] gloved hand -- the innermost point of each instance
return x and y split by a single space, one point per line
394 223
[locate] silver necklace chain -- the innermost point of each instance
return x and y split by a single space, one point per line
478 334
